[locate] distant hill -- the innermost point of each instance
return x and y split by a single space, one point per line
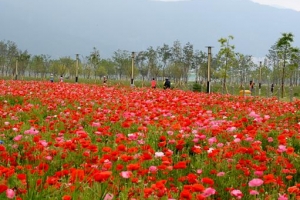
64 28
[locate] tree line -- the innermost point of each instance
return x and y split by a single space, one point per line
176 61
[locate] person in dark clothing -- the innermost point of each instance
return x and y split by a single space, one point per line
167 84
104 79
272 88
252 87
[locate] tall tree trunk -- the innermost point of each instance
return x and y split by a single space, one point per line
283 74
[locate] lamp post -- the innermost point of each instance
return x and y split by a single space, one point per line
77 61
132 63
208 69
17 60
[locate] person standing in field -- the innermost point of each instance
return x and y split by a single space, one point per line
104 80
251 87
153 83
272 88
167 84
51 78
61 79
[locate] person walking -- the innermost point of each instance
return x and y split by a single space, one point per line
153 83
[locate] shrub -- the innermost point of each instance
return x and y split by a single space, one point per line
196 87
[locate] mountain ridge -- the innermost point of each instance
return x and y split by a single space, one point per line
62 30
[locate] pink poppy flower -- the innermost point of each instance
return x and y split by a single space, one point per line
212 140
255 182
109 196
159 154
126 174
221 174
231 129
18 138
152 169
253 192
220 145
48 157
259 173
96 124
282 197
43 143
253 114
237 140
209 191
236 193
281 148
10 193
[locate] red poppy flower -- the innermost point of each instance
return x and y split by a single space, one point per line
185 194
102 176
269 178
3 188
180 165
21 176
66 197
208 181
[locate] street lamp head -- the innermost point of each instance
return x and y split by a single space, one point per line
132 54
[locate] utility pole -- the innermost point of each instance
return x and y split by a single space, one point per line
208 69
132 63
77 65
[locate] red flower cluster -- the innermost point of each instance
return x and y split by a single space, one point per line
75 141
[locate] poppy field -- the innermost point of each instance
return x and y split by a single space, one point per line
83 141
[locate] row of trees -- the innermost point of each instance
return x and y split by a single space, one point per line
177 61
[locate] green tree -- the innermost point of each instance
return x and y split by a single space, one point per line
188 55
200 64
164 53
122 60
55 67
11 56
287 54
141 65
151 56
177 59
3 56
273 63
243 64
94 60
109 67
38 65
67 66
23 62
226 57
